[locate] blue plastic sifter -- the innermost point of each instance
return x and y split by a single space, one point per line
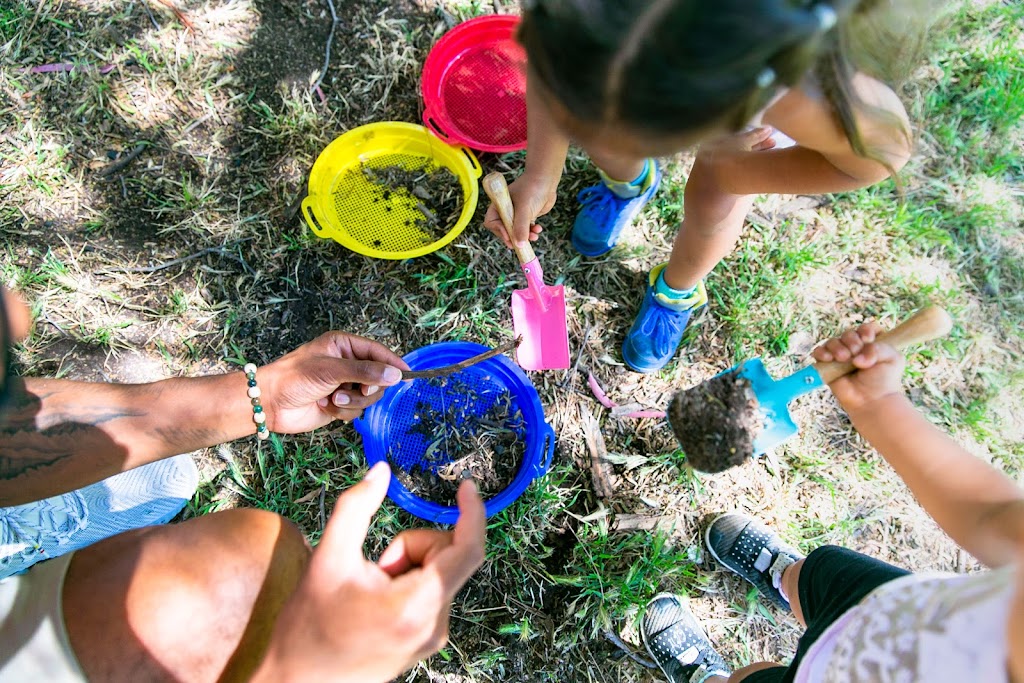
387 424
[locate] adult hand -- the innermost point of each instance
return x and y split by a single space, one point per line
355 621
879 366
333 377
531 198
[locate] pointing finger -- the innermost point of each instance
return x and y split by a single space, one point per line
342 541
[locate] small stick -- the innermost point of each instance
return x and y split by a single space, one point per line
617 642
600 468
222 250
122 162
178 13
327 50
449 369
145 6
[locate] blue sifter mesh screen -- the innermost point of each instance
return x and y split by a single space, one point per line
460 397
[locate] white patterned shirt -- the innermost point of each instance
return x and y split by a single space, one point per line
920 629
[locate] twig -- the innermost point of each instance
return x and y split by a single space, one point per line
600 468
145 6
327 50
320 502
579 357
617 642
47 318
123 161
462 365
174 262
630 522
178 13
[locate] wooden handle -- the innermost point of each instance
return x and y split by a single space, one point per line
497 190
928 323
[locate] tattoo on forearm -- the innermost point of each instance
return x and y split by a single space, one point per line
30 441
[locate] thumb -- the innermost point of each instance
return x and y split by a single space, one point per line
333 372
342 541
757 135
876 353
492 221
521 225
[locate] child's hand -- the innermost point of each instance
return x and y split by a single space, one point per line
756 139
879 366
531 198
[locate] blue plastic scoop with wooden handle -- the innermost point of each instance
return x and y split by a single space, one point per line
774 395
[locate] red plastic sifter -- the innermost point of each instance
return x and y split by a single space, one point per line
474 85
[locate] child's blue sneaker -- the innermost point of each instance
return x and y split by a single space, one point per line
659 326
603 214
147 495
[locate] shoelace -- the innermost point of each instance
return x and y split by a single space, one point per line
600 199
774 565
664 325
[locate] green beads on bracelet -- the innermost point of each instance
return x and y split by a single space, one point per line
258 416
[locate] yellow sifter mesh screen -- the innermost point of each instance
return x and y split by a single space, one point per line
397 202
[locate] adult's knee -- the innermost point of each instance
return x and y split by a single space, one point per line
184 601
255 546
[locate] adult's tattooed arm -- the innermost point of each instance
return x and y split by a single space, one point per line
61 434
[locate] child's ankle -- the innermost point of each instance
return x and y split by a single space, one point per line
628 189
677 299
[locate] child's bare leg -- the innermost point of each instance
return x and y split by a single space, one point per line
711 226
616 166
740 674
791 587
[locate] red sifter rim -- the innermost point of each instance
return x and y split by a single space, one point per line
474 85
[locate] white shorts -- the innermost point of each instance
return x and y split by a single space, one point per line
34 643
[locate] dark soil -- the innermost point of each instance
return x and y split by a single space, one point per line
487 447
287 48
716 422
433 191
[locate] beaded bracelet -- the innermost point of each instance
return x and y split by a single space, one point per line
258 416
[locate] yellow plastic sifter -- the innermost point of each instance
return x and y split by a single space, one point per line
370 190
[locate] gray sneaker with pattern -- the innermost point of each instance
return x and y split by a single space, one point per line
752 550
676 641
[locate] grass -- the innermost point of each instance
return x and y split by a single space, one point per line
190 261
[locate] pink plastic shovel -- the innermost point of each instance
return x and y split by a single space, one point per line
538 312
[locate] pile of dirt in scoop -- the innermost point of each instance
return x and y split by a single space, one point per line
717 422
487 448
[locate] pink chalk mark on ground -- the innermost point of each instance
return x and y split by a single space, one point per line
64 67
602 398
